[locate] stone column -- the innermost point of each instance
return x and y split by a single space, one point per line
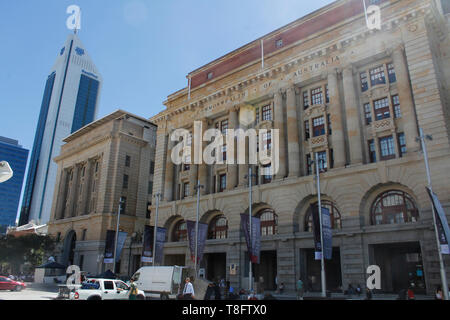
292 130
351 111
193 169
279 125
73 192
168 180
232 169
86 190
62 195
336 120
406 100
203 168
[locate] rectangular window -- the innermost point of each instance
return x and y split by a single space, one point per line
185 189
381 107
308 164
224 126
305 100
329 123
396 105
257 116
318 126
267 141
267 113
152 167
387 148
279 43
150 187
266 178
364 83
187 163
224 153
367 113
331 159
327 94
372 151
83 235
316 96
125 181
223 182
322 156
391 73
377 76
306 130
127 161
402 144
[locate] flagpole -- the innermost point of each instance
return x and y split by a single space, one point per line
250 275
157 196
117 233
433 213
322 259
198 186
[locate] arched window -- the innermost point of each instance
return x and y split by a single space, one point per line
218 228
393 206
180 231
269 222
335 216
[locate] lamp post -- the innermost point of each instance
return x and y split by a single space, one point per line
158 197
250 201
427 167
322 259
197 187
121 201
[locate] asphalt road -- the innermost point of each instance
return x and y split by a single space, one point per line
28 294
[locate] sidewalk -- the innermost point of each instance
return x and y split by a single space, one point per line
341 296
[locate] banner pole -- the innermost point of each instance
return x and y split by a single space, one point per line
322 261
117 234
250 275
433 213
157 196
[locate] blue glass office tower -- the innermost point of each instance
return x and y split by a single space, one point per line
10 190
70 102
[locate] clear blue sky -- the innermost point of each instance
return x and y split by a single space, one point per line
143 48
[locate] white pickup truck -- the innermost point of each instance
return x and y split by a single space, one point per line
103 289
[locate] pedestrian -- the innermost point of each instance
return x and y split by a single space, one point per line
411 294
282 288
217 293
438 295
300 290
188 292
132 294
209 291
358 290
368 294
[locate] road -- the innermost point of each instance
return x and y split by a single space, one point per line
29 294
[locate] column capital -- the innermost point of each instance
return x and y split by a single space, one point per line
334 71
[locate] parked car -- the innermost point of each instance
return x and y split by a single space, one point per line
8 284
103 289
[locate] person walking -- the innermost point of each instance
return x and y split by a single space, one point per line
438 295
132 294
368 294
188 292
300 289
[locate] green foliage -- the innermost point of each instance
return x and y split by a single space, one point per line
17 251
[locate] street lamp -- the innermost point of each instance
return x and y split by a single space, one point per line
427 167
121 201
158 198
322 258
249 176
197 187
5 171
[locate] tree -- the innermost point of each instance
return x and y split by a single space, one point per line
30 248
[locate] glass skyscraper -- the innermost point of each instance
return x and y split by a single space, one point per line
10 190
70 102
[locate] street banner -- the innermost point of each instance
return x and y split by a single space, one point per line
326 231
202 233
255 246
147 246
160 239
109 246
441 223
120 242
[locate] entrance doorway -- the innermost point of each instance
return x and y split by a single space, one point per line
401 266
311 271
175 260
69 248
215 265
267 269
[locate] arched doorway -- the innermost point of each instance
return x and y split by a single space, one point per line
69 248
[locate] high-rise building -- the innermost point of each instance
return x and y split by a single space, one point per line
70 101
10 190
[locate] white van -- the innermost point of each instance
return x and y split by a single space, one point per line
163 282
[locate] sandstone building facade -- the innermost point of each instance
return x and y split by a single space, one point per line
110 158
336 90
